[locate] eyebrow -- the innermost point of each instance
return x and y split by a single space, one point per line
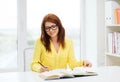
50 26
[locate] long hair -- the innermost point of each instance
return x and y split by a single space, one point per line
45 38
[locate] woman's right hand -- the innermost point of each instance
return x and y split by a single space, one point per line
43 69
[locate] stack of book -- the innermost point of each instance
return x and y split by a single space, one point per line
114 42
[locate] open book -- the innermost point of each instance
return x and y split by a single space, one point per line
63 73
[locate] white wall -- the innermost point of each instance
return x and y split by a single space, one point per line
94 25
91 30
100 32
21 25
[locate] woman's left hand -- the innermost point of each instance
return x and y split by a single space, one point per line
86 63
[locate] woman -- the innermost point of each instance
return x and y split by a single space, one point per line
53 50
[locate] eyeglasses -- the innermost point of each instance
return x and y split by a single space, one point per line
53 27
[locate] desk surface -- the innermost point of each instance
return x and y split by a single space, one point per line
105 74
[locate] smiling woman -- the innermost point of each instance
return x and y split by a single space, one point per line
57 48
67 10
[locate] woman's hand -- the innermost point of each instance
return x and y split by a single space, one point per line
86 63
43 69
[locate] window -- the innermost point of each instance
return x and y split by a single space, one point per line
67 10
18 17
8 34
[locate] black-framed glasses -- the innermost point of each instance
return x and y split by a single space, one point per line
53 27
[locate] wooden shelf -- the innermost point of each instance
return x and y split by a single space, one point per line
114 55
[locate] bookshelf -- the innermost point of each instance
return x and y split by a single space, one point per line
112 36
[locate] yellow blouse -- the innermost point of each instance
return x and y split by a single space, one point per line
54 59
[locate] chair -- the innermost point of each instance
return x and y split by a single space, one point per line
28 53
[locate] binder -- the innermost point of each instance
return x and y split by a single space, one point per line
117 15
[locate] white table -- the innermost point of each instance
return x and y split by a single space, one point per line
105 74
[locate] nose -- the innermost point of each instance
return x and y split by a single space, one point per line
50 29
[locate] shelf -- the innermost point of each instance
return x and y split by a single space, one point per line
114 55
112 29
113 25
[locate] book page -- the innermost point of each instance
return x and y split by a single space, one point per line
55 74
84 71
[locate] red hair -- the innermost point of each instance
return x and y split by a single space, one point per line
44 36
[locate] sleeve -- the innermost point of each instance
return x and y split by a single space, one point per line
71 58
35 66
